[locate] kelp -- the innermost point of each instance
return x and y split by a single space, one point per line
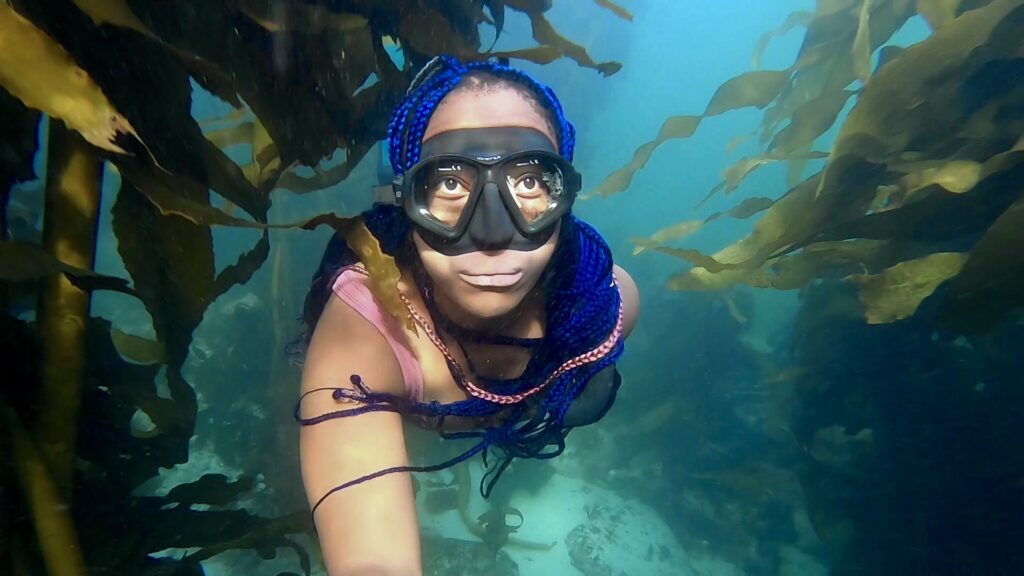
822 70
810 120
112 461
896 293
54 84
176 291
672 128
546 35
673 232
824 260
616 9
735 174
862 43
927 159
320 179
931 399
757 89
138 349
166 194
957 176
902 106
800 18
905 250
431 30
937 13
732 264
56 535
744 209
826 62
299 16
20 262
384 272
71 216
114 12
989 283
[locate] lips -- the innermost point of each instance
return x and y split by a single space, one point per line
499 280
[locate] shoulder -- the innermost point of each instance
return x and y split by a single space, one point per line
630 299
345 343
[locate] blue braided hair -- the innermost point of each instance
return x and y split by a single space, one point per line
582 299
436 80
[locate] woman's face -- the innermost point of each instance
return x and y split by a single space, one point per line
485 285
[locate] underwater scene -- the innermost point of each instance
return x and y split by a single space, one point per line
821 203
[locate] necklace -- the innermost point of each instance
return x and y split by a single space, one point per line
592 355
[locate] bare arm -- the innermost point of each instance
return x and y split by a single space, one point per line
630 299
370 528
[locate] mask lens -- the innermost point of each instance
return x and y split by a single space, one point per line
536 185
443 187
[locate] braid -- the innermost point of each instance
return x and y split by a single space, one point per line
436 80
445 82
396 128
564 130
582 305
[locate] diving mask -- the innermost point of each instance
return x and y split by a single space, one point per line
479 189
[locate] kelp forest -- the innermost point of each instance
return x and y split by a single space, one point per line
879 436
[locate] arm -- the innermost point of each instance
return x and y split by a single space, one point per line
370 528
630 299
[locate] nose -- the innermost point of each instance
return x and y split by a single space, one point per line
490 227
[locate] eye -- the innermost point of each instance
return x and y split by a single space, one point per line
448 181
528 186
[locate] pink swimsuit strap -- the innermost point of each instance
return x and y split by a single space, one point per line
350 286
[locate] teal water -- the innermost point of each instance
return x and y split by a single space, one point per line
758 431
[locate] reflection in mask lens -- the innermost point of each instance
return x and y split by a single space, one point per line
535 184
443 187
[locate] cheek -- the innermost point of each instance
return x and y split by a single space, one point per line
437 265
540 258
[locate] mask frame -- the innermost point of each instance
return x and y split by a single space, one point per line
489 182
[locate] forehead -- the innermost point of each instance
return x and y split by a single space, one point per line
486 144
488 108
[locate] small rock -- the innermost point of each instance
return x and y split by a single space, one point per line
586 553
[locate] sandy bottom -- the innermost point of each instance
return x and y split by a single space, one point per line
632 536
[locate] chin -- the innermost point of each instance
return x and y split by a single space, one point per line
488 304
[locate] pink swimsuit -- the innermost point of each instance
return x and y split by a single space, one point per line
351 287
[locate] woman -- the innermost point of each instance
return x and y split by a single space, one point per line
519 311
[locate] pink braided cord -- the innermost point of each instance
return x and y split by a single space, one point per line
592 355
